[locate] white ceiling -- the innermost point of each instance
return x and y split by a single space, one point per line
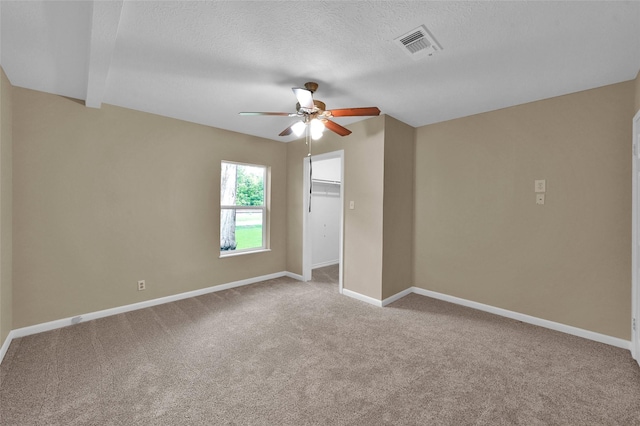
206 61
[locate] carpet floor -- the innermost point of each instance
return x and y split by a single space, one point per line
283 352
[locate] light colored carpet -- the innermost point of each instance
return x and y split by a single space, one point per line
284 352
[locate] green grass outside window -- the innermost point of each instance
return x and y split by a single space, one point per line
248 237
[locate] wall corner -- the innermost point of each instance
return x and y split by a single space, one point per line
6 207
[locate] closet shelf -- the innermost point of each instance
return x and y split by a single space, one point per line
325 181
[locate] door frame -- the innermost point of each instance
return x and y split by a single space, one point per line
306 221
635 238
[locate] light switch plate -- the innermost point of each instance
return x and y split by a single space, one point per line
540 199
540 185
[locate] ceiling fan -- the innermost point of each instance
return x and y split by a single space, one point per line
314 115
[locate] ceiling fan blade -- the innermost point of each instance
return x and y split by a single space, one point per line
287 131
352 112
284 114
305 97
335 127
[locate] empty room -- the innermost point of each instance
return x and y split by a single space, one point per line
427 212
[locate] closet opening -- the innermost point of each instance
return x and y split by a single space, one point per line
323 223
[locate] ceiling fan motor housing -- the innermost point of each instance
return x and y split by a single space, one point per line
319 107
311 86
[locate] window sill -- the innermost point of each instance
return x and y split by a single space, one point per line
233 254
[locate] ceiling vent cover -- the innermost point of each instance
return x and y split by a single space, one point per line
418 43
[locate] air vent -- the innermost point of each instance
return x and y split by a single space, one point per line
418 43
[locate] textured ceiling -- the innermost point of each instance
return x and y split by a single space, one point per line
206 61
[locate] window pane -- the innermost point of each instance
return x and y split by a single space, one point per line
249 185
228 184
240 229
241 185
228 229
249 229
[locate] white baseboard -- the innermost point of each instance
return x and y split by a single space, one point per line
5 345
397 296
362 297
575 331
323 264
294 276
373 301
52 325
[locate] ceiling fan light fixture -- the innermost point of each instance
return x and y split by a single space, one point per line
317 126
298 128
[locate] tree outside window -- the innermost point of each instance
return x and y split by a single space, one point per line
242 207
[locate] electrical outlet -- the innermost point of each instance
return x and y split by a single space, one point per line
142 285
540 185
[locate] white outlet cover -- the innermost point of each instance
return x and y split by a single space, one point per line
540 185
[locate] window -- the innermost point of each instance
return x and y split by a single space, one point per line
243 208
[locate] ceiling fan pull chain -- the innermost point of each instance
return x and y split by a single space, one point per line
310 167
310 182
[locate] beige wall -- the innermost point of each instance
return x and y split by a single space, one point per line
637 81
378 233
106 197
363 183
399 153
479 234
6 141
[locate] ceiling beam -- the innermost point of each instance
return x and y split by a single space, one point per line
104 29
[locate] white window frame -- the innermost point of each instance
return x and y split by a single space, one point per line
264 208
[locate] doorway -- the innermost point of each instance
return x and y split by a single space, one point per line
323 223
635 249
